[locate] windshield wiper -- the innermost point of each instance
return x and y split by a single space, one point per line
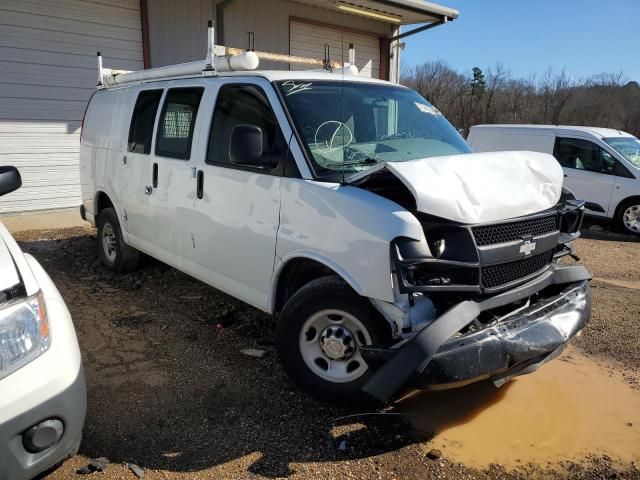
362 161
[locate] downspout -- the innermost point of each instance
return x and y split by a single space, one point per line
396 45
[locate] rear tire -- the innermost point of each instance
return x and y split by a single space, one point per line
318 337
114 253
628 217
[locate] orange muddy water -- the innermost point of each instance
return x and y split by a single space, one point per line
568 409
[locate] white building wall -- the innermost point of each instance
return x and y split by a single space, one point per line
47 74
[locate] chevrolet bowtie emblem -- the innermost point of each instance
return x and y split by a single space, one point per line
527 247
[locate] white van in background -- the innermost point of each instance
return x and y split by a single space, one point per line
601 165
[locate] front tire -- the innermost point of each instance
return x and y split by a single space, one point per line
628 217
319 334
114 253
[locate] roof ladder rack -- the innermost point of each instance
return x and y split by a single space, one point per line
221 59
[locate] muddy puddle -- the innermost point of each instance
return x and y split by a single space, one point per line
570 408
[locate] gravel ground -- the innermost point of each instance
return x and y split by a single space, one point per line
169 390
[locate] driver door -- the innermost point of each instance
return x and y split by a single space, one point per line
236 214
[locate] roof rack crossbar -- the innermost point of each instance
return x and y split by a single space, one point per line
222 59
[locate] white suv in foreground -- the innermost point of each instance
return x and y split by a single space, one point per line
42 389
353 209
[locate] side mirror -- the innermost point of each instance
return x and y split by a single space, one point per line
245 147
10 180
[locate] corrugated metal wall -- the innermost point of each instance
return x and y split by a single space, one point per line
47 73
308 40
178 28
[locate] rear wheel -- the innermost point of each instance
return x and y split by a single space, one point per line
114 254
320 332
628 218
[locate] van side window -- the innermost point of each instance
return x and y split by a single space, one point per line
583 155
142 120
178 119
241 105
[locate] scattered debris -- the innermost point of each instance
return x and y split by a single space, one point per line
434 454
338 419
137 471
253 352
95 465
342 446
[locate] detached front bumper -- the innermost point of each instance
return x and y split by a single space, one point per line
438 357
514 346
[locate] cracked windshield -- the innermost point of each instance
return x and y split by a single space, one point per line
349 127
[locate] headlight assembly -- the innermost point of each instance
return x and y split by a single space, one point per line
24 333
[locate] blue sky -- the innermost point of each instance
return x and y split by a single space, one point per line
528 36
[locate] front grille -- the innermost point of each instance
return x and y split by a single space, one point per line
508 232
496 275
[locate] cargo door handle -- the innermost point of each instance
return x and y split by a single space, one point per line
154 179
148 190
200 184
565 175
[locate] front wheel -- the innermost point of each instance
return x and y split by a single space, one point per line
628 218
320 332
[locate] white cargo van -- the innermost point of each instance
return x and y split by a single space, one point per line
42 388
601 165
348 206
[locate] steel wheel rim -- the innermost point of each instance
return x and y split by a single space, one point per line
314 350
109 242
631 218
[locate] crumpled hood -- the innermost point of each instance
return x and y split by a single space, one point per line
482 187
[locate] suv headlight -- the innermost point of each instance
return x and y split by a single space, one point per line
24 333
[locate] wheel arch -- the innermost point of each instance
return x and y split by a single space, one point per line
296 271
102 201
622 202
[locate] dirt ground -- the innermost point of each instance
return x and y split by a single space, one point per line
169 390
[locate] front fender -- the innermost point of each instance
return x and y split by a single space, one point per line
346 228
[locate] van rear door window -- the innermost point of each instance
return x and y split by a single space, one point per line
178 119
144 115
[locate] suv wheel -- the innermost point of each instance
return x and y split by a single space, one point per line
114 254
628 218
319 335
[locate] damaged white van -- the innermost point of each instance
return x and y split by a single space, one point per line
350 207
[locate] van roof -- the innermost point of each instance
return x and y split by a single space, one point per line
270 75
601 132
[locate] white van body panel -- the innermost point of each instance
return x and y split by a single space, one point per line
340 226
604 190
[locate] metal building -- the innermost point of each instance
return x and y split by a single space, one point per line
48 69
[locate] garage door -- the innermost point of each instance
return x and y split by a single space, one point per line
308 40
47 73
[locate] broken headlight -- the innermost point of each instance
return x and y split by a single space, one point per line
417 270
24 333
